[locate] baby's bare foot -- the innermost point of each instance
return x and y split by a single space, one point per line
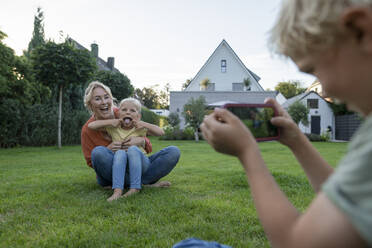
116 195
131 192
163 184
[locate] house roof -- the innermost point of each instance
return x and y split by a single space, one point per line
299 97
102 65
224 42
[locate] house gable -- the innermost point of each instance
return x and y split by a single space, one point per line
225 71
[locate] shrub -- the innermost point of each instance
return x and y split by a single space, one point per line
174 119
188 133
313 137
325 136
149 116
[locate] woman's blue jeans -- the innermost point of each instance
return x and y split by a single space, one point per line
149 170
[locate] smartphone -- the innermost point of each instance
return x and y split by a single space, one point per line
257 118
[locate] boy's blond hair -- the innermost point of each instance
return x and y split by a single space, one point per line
305 26
135 101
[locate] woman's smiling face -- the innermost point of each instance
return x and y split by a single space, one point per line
101 104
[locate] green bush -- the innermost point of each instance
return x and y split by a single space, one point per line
313 137
325 136
188 133
10 122
149 116
175 133
36 125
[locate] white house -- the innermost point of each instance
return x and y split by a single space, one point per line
226 74
321 117
225 71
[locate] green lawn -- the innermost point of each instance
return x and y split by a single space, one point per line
49 198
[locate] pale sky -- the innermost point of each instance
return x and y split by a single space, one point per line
158 41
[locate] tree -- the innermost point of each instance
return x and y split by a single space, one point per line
194 111
119 83
290 89
186 84
340 109
299 113
18 92
38 38
62 65
163 97
147 96
173 119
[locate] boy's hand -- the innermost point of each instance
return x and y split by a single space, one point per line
226 133
138 124
289 131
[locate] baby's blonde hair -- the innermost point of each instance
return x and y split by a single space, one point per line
305 26
135 101
89 93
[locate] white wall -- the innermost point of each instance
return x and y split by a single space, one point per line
235 72
325 113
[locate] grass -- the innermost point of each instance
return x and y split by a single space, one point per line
49 198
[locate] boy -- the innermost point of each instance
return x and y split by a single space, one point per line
128 125
332 40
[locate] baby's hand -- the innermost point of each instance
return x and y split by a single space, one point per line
138 124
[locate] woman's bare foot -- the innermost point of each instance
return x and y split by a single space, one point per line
162 184
116 195
131 192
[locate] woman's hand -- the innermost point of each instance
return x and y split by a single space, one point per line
289 131
133 141
114 146
116 122
226 133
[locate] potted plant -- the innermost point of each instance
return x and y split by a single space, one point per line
205 83
247 84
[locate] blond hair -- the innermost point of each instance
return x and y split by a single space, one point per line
305 26
89 93
135 101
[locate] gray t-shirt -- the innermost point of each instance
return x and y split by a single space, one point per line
350 187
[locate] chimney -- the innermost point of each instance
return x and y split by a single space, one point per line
111 62
94 50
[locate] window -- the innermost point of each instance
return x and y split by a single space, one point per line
312 103
211 87
237 87
223 65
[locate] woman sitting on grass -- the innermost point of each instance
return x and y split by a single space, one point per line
99 149
128 125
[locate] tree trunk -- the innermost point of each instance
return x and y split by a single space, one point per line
196 135
60 116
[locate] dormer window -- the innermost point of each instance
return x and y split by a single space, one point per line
223 65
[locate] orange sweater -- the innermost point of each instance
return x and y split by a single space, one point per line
91 138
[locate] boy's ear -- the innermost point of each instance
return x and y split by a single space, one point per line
358 21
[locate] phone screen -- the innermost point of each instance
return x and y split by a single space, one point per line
257 118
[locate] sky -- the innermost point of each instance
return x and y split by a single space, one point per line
155 42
